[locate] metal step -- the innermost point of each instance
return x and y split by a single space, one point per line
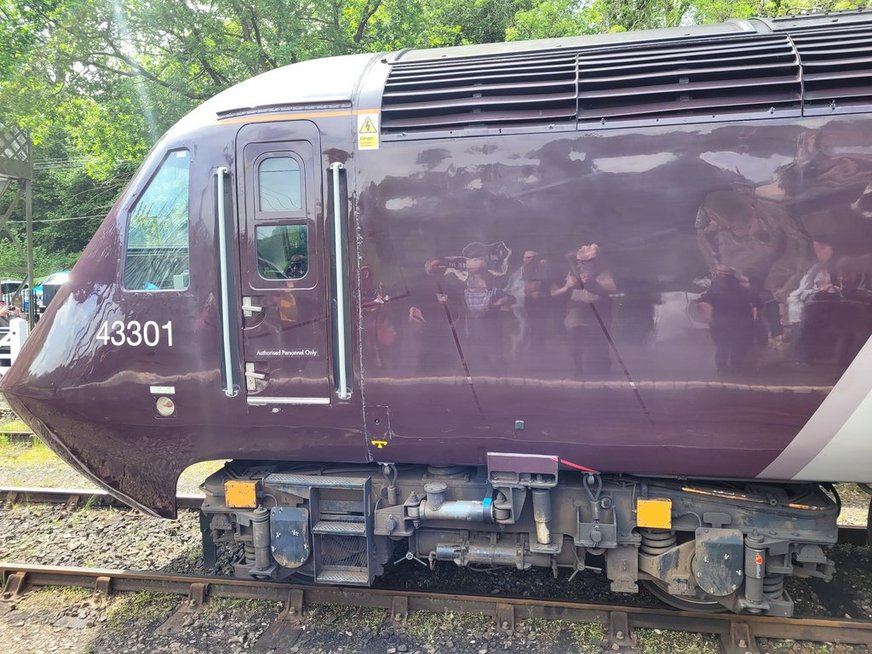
316 481
337 528
343 575
342 547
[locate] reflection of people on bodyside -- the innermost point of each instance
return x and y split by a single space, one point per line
730 308
380 334
297 313
838 320
588 309
286 303
863 205
429 334
528 285
731 232
485 310
817 278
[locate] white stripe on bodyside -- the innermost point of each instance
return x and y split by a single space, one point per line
848 456
832 434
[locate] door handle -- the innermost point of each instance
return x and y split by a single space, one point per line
252 377
249 309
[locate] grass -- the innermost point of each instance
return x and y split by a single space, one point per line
37 454
13 426
547 631
426 625
196 474
139 609
588 636
662 641
346 616
221 605
49 599
21 462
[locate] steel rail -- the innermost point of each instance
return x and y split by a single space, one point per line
73 497
738 633
76 497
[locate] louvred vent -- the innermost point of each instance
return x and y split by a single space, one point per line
837 67
806 66
756 75
488 91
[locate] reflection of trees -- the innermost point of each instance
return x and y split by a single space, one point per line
85 340
279 184
70 341
157 242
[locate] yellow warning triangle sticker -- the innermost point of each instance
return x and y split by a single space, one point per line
368 127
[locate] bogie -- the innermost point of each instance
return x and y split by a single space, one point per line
715 545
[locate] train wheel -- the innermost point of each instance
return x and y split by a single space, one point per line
658 589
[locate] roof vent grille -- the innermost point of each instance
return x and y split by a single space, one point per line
484 92
805 68
701 79
837 68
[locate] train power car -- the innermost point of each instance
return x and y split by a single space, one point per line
521 304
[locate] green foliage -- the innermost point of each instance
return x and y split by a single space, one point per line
555 18
12 257
96 82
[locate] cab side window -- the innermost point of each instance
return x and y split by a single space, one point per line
279 184
281 224
157 256
282 251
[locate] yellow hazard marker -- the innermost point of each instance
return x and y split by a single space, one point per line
654 513
367 131
240 494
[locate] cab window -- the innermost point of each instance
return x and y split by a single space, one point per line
282 251
156 258
279 185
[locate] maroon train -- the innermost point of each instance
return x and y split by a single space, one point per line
515 304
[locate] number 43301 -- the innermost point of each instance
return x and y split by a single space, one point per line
136 333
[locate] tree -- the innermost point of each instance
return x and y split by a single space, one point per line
555 18
96 82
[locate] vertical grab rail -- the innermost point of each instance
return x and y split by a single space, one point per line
343 392
230 388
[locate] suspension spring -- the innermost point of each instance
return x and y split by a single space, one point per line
773 586
656 541
249 552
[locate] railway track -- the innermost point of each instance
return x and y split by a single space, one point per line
737 633
76 497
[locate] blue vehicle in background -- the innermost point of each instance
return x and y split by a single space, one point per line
45 291
14 291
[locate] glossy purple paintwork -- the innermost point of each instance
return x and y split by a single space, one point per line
636 194
447 367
